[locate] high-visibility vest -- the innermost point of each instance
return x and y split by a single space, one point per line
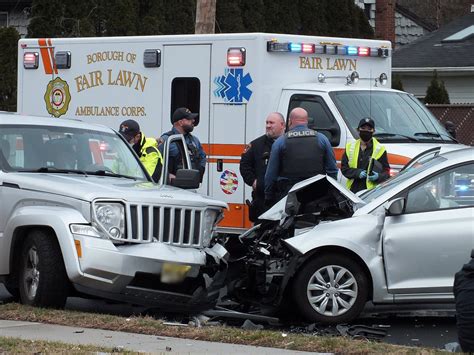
352 151
149 154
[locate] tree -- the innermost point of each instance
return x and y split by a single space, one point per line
179 16
8 73
397 83
229 16
253 15
313 17
152 17
436 92
121 17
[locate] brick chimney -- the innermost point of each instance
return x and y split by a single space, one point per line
385 20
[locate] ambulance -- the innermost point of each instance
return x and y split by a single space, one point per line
233 81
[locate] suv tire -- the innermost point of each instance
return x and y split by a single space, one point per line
42 276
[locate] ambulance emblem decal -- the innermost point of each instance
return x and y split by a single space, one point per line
229 182
233 86
57 97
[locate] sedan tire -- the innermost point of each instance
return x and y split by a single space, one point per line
42 276
331 289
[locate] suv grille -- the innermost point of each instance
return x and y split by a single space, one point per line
178 226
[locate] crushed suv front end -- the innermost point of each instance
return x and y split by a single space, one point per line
152 254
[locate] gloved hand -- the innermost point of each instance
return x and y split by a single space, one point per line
363 174
374 176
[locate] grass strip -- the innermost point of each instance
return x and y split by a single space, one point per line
22 346
151 326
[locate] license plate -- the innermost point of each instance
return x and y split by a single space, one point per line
174 273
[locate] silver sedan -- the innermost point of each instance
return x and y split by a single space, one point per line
332 251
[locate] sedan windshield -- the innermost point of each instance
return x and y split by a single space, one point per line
386 186
52 149
399 117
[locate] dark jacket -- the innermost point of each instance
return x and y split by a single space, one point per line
363 164
464 296
253 163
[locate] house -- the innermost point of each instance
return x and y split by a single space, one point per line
407 25
14 13
449 51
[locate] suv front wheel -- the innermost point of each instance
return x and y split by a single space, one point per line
42 276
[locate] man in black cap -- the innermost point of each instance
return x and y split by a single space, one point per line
365 162
184 121
146 148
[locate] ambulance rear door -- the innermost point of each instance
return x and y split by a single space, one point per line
186 83
227 134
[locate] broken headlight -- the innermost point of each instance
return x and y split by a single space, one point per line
211 218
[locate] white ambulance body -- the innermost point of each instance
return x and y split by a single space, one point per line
234 81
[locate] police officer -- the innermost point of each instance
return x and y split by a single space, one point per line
253 163
365 162
184 121
299 154
146 148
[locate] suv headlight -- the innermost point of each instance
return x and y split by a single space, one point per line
210 220
110 218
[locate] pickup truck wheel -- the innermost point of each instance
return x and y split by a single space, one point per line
331 289
42 278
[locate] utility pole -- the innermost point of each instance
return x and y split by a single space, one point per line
205 16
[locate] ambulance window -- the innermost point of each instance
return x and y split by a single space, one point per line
185 92
320 118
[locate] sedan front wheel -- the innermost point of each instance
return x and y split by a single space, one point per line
331 289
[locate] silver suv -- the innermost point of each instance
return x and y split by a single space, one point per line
80 215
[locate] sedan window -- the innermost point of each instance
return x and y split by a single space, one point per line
453 188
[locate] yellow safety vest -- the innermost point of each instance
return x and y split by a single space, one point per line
150 156
352 151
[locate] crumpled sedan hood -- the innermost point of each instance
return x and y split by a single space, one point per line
288 205
91 187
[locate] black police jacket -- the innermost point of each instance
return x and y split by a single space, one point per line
253 164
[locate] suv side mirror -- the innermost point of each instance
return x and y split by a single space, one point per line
395 207
187 179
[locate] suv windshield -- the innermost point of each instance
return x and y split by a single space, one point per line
67 150
385 186
399 117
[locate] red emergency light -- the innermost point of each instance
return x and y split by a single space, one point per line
307 48
31 60
364 52
236 57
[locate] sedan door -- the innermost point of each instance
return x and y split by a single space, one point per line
425 246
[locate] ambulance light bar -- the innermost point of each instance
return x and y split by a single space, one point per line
30 60
236 57
331 49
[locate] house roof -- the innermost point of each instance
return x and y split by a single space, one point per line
434 51
414 17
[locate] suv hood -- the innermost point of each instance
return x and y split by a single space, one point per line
313 188
92 187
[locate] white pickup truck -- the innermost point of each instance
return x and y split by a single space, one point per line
80 215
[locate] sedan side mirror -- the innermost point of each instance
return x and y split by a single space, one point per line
187 179
395 207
